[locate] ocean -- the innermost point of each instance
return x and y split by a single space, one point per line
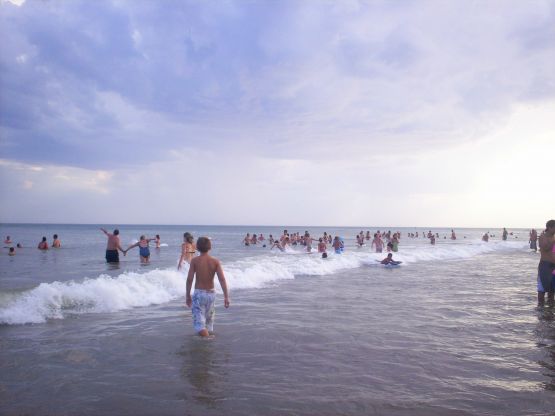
454 330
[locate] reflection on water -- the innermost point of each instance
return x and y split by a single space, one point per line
545 331
204 366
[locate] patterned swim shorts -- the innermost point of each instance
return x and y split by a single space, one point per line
203 310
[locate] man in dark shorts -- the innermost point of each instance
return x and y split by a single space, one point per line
547 264
112 255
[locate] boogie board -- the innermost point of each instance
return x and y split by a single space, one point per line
392 264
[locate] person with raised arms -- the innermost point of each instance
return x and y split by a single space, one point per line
203 269
144 250
112 246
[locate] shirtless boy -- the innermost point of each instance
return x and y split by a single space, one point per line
547 264
204 267
112 247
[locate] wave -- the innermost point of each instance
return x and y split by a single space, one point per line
59 300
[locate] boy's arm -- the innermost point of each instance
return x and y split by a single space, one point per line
190 277
223 284
104 231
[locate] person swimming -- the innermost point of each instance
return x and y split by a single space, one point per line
389 260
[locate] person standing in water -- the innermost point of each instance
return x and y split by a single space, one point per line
144 250
43 245
546 267
157 239
377 241
485 237
56 241
113 245
188 250
308 242
534 240
204 268
505 234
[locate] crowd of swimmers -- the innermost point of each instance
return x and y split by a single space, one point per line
378 241
387 240
43 244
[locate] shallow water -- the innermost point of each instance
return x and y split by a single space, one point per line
453 331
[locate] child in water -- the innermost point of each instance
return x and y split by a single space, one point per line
389 260
144 251
204 268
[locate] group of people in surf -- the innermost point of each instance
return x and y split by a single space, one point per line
287 240
388 240
113 246
43 244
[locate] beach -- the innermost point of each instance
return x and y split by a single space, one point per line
453 331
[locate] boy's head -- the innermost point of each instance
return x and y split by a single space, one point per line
55 236
204 244
390 255
142 237
116 231
550 225
43 239
12 249
324 255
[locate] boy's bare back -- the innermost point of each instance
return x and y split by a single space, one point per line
205 268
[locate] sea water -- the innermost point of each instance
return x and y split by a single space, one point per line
453 330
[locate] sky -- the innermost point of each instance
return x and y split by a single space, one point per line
347 113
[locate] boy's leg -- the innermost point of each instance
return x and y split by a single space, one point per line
210 313
199 319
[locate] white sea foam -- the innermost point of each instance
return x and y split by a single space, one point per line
128 290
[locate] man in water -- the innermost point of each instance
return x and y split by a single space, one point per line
547 264
505 234
534 240
485 237
204 268
377 241
113 245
